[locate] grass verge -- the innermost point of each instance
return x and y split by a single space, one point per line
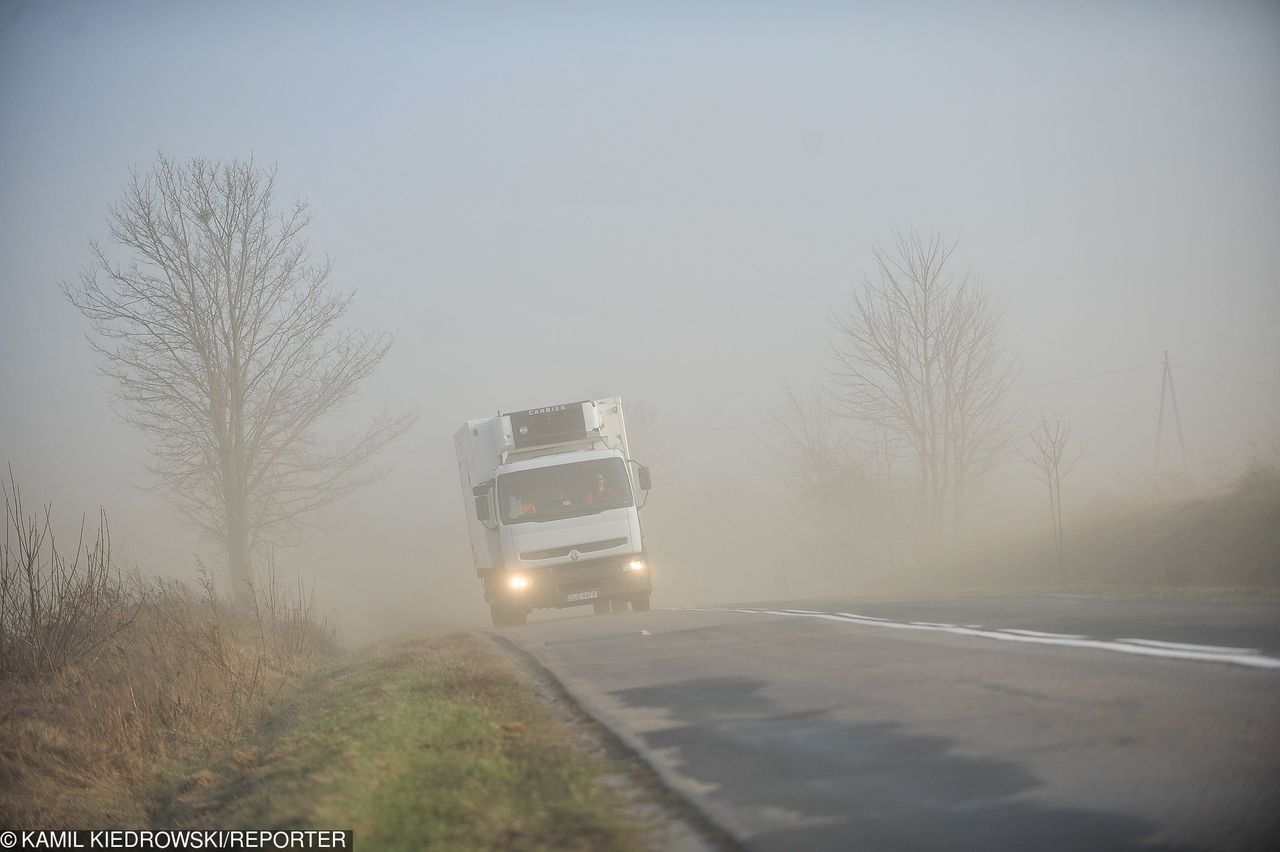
427 743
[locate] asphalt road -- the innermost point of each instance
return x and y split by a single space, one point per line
966 723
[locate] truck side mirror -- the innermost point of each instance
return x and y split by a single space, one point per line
645 481
482 508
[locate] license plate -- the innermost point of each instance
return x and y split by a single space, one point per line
582 596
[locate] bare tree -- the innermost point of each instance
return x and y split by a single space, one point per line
221 335
847 488
918 357
1046 451
813 449
816 456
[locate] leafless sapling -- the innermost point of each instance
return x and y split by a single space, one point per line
1046 449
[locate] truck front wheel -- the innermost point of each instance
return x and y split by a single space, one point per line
640 603
600 606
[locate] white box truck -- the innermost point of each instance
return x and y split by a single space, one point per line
550 499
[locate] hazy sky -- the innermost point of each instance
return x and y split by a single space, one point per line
667 202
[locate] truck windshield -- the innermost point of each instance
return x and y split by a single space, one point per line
563 491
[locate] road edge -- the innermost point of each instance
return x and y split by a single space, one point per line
655 783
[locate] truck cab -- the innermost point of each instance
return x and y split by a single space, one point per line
553 501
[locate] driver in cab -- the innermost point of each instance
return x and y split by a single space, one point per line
601 494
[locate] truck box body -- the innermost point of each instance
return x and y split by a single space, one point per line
552 516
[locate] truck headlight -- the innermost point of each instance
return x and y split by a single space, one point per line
636 565
518 582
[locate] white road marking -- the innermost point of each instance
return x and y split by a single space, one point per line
1140 647
816 612
1183 646
1042 633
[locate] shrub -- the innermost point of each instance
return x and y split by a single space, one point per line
105 681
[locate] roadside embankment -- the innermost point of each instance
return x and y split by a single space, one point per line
430 742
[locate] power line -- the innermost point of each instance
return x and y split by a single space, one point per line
758 423
751 424
1147 367
716 428
1090 376
1225 376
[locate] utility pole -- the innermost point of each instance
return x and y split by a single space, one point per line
1166 385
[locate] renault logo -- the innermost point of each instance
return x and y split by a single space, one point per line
574 555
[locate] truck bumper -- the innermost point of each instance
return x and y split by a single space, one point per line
571 583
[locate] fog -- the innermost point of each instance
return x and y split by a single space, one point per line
670 206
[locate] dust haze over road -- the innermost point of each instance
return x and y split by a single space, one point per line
669 208
718 214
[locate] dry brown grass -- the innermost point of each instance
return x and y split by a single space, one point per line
135 676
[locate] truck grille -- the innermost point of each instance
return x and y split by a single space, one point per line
589 547
581 576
